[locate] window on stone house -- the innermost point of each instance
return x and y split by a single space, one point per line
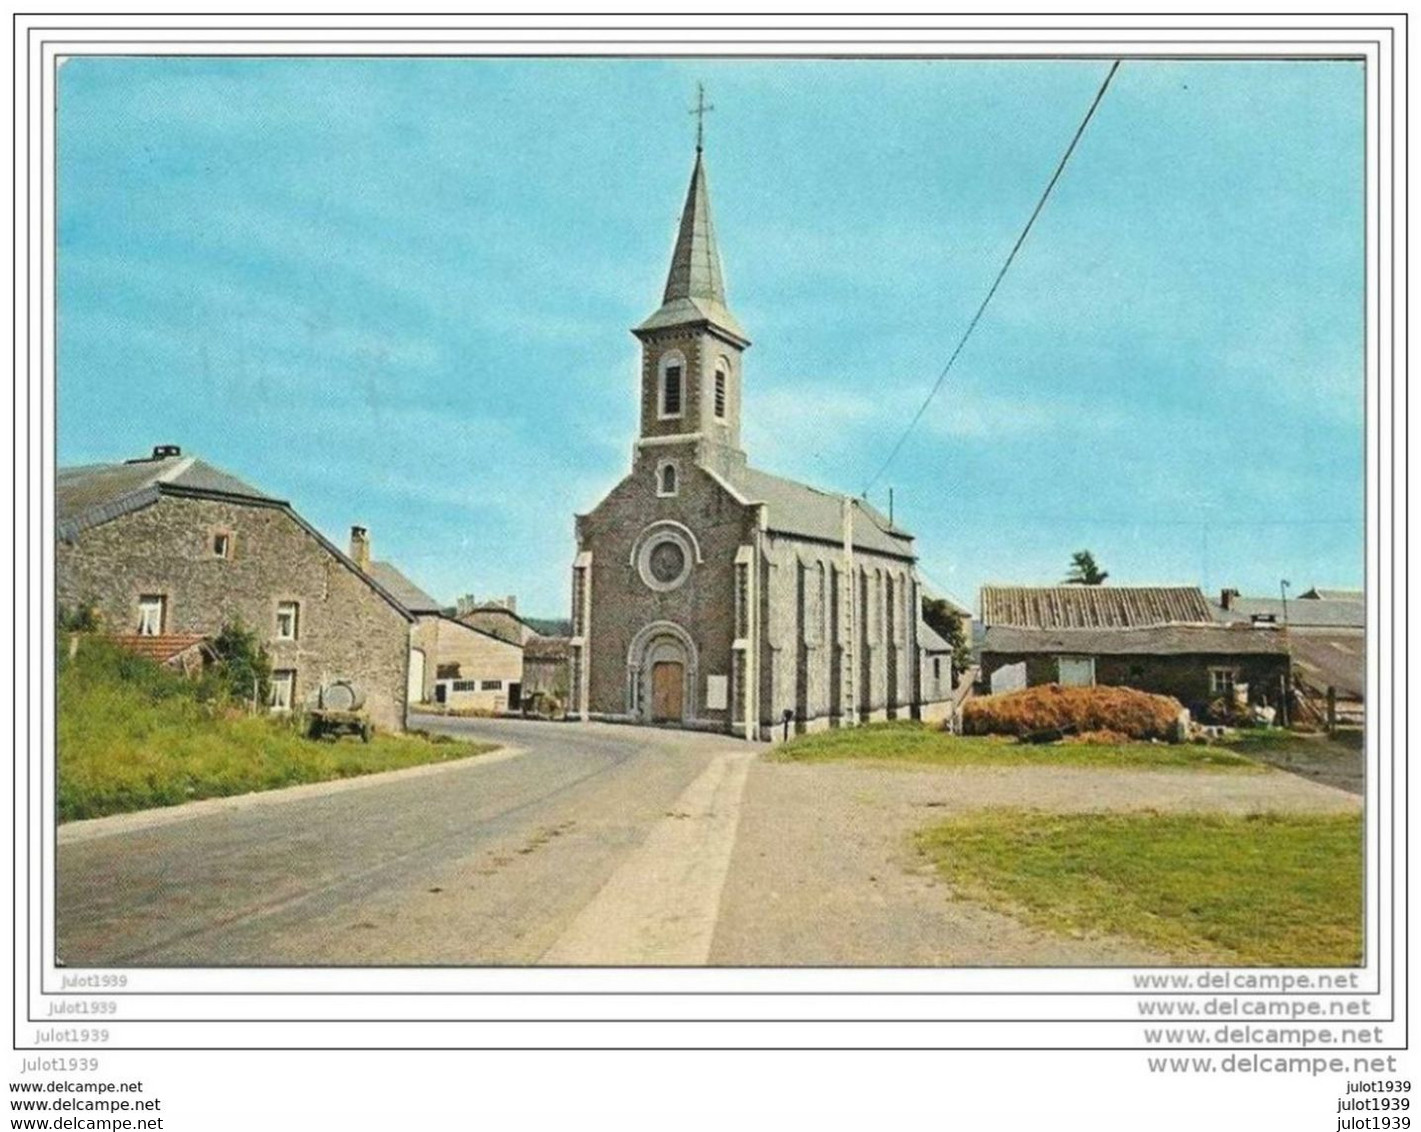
221 544
152 614
283 689
491 685
666 480
288 620
721 376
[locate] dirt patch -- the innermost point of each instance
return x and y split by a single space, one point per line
824 871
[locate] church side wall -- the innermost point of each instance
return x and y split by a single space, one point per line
622 604
345 628
805 606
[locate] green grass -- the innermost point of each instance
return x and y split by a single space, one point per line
907 742
1261 890
132 735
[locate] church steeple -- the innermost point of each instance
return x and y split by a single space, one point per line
695 287
692 346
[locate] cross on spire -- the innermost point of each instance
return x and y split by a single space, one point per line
700 111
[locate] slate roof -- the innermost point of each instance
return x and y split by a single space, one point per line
798 509
1157 640
930 639
695 286
1092 607
1302 613
91 494
95 493
405 591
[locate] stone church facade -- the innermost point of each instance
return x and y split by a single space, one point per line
708 594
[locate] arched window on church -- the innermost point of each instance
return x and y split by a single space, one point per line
722 379
666 479
672 384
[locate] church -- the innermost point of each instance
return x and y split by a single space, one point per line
708 594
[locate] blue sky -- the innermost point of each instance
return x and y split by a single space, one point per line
398 292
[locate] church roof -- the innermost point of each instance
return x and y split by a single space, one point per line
798 509
695 287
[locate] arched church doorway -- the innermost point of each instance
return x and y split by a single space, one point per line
661 670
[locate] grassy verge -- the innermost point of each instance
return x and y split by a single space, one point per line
132 736
907 742
1266 890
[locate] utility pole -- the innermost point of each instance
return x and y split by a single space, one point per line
1286 705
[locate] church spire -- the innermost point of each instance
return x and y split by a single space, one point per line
695 263
695 287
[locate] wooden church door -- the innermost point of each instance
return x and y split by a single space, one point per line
667 691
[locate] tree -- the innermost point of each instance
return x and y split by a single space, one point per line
952 627
1084 571
243 668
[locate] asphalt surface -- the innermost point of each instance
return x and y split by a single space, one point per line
480 864
586 845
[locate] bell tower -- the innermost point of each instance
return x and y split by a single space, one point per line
692 345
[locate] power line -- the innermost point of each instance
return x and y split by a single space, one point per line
1021 239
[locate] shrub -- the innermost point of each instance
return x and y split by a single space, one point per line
84 618
243 666
1051 707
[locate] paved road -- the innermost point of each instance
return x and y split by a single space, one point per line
494 863
595 845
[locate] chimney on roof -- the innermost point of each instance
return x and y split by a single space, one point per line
166 451
1227 598
510 603
360 548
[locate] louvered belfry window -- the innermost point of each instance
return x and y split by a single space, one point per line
671 393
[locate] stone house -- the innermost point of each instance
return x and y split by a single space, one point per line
169 544
451 663
1160 639
708 594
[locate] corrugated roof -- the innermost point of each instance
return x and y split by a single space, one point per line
798 509
95 493
1338 660
1087 607
1302 613
1158 640
405 591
